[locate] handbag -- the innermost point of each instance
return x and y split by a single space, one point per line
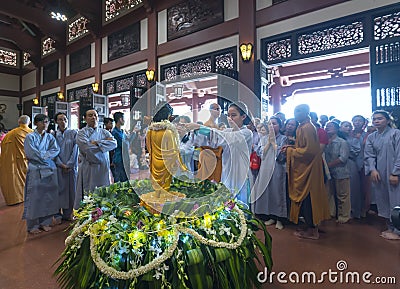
255 161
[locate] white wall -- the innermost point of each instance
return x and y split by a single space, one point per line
50 91
144 30
104 50
28 97
10 117
199 50
261 4
67 65
162 26
125 70
323 15
83 82
29 80
231 9
9 82
93 54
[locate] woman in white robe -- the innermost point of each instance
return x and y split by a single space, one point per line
41 187
236 143
382 162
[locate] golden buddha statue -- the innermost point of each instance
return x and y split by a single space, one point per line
162 142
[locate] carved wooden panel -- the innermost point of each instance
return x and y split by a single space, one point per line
80 60
387 26
193 15
50 72
331 38
124 42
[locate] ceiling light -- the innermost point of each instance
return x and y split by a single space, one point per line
58 16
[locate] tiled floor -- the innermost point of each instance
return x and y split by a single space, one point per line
27 262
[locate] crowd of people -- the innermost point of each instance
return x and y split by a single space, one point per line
284 170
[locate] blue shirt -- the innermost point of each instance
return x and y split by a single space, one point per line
120 137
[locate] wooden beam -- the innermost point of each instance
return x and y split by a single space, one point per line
331 83
216 32
290 9
24 41
54 29
324 65
12 93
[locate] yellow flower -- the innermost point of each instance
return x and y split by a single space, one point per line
207 220
137 239
127 213
99 227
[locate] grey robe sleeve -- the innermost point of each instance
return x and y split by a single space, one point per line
106 145
73 160
396 143
369 155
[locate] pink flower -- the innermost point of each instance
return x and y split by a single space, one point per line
140 224
96 214
229 205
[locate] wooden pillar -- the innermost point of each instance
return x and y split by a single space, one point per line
38 88
19 105
195 105
63 76
247 34
97 64
276 93
152 60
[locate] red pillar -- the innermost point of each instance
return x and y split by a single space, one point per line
247 34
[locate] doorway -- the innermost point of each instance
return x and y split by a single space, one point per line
74 115
335 85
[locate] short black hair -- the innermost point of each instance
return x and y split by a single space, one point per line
40 117
107 120
86 110
60 113
118 115
186 118
162 111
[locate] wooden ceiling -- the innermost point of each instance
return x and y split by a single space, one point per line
24 23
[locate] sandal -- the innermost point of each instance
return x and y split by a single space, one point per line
45 228
390 236
34 231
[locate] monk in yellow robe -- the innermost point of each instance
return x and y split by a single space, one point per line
305 176
13 163
210 160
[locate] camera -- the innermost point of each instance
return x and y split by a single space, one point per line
396 217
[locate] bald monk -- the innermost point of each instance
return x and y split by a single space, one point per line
13 163
305 176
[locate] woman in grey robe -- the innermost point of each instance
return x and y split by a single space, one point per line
356 165
41 187
271 200
382 162
67 166
94 144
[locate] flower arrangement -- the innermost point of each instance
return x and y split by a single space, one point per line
117 243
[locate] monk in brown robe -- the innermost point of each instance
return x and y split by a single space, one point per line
305 176
13 163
